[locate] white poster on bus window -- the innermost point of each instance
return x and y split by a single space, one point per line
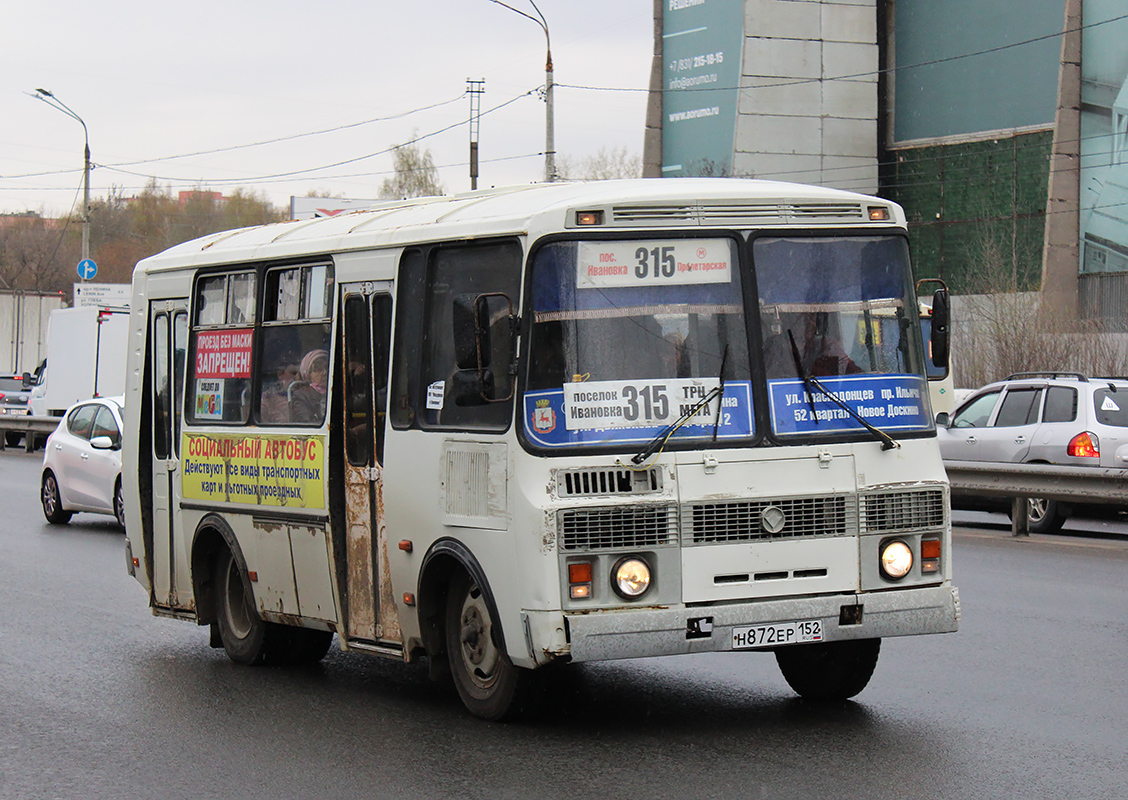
672 262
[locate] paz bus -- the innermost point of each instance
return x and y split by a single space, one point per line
530 426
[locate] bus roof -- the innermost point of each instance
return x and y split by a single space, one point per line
535 209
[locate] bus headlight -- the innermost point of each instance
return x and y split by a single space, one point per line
896 559
631 577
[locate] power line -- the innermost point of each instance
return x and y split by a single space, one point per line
294 173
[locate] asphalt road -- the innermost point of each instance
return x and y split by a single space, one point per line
98 699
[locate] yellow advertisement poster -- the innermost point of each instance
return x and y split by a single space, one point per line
282 471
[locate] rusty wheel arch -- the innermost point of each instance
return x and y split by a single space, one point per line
211 534
443 559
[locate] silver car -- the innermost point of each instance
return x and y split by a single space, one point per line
1060 418
82 463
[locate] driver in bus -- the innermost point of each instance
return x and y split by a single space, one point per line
820 353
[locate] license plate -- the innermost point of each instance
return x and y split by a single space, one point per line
747 637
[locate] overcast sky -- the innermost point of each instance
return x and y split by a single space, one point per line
193 93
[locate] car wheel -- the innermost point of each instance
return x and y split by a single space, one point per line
1045 516
12 438
119 503
829 671
52 502
486 680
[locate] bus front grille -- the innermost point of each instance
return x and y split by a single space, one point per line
904 511
622 527
768 519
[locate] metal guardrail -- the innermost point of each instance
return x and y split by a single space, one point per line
1023 481
34 427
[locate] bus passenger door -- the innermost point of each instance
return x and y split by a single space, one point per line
367 324
169 326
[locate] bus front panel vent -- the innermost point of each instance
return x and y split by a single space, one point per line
904 511
611 481
768 519
621 527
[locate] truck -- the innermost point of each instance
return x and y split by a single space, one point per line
23 328
85 358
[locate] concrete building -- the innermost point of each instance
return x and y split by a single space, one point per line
1007 148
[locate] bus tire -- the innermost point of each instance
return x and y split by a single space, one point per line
244 635
829 671
487 682
52 501
299 646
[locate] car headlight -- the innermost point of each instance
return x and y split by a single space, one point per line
631 577
896 559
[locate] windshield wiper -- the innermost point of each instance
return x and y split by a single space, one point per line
660 440
887 441
720 392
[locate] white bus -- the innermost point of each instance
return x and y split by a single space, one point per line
548 424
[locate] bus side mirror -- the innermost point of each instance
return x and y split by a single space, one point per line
471 317
941 319
471 324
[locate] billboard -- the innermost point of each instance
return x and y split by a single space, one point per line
702 43
1104 137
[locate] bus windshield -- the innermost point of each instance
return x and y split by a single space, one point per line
840 309
628 336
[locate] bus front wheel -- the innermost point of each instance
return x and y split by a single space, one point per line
486 680
829 671
243 633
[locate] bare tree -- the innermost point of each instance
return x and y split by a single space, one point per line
998 330
607 164
415 174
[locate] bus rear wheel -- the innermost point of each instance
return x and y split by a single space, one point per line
486 680
829 671
243 633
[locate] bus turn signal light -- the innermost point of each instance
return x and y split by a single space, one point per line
1084 445
589 217
929 555
878 213
579 580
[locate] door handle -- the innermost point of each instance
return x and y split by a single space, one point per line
970 440
1019 439
85 456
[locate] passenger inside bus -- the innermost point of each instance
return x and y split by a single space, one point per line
307 396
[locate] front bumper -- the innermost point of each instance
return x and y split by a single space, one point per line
643 632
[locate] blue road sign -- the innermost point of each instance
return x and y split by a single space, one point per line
87 269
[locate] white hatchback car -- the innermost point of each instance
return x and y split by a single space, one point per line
82 462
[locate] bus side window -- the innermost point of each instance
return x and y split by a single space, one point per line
222 339
423 386
293 373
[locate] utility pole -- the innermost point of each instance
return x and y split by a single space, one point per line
475 88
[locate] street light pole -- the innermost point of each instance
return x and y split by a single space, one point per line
50 99
549 119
